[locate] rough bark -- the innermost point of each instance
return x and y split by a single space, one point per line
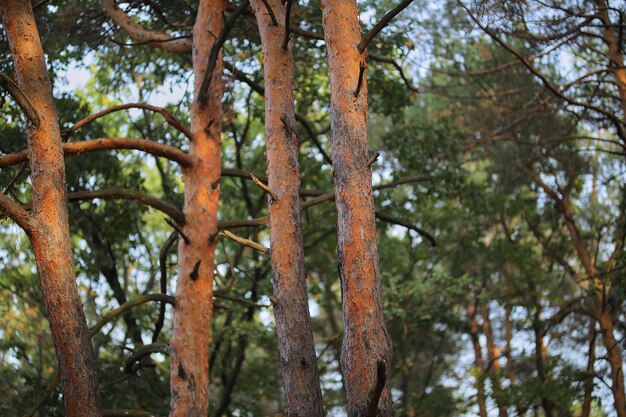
470 310
51 239
493 357
540 358
366 351
589 376
612 40
189 377
291 310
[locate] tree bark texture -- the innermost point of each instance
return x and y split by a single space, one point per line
51 238
189 372
366 351
293 322
479 365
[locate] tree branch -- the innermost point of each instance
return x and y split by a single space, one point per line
132 195
408 225
245 242
142 352
18 214
382 23
20 98
167 116
100 144
145 36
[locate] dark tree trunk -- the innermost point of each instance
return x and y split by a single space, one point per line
51 239
366 351
293 322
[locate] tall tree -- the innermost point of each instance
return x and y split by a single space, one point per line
291 309
366 350
48 226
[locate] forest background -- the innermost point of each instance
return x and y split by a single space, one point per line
498 191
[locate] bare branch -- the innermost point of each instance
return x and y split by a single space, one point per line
245 242
132 195
20 98
167 115
142 299
18 214
408 225
100 144
145 36
263 187
382 23
141 353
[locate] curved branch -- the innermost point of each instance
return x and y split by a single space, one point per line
100 144
408 225
382 23
142 352
142 299
132 195
167 115
20 98
145 36
18 214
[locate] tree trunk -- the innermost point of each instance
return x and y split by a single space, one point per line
478 360
493 358
540 358
293 322
51 240
589 376
366 351
616 59
614 357
189 370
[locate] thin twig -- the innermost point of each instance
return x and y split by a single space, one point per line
381 24
245 242
142 352
178 230
263 187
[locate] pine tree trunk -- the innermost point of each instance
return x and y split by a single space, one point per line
293 322
478 360
366 351
51 240
189 346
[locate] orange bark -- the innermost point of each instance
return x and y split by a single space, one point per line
366 344
51 238
293 323
189 377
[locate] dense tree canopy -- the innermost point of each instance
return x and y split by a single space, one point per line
411 208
